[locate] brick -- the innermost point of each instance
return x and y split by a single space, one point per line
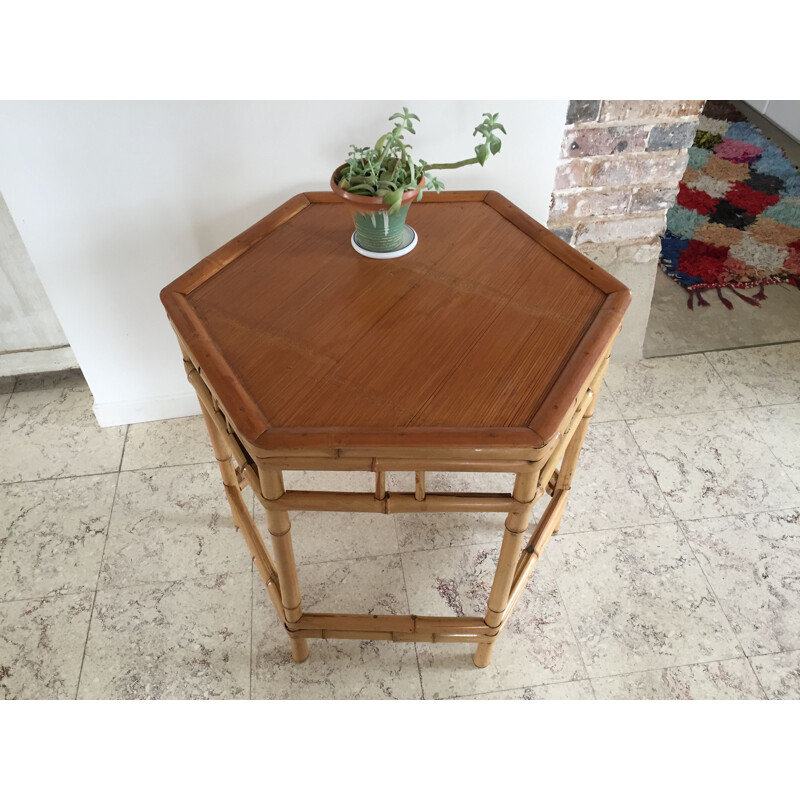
627 171
563 233
613 110
604 141
604 255
640 253
589 203
582 111
560 206
600 203
571 174
672 137
606 231
647 199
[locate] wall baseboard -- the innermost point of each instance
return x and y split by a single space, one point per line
151 410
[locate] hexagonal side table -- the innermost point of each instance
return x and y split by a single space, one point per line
481 350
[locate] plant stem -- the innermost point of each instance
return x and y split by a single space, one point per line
464 163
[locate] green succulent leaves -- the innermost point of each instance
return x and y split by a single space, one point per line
406 118
487 128
388 170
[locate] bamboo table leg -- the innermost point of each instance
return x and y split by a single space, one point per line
280 530
516 525
514 566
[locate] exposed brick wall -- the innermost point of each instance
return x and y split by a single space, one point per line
621 161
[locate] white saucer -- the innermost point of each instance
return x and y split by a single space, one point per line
409 243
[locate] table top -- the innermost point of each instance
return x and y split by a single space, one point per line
480 337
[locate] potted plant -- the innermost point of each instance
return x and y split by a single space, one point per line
379 183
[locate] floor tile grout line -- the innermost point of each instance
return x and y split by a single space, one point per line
721 349
720 376
776 653
168 466
692 519
681 529
10 395
767 445
408 606
114 471
671 666
745 405
755 675
652 472
124 444
170 581
517 688
561 597
55 595
710 585
100 568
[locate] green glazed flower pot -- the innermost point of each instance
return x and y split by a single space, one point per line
376 229
380 231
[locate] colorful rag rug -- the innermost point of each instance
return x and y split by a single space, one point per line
736 220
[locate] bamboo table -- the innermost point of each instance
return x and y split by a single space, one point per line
481 350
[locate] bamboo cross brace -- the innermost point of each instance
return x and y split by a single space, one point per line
241 516
391 502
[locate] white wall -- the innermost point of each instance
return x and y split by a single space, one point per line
115 199
27 321
785 113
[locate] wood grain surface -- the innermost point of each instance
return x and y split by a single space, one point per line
481 336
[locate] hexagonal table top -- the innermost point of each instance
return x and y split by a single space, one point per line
480 337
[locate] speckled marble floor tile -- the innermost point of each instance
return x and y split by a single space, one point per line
536 647
167 443
710 465
779 427
49 431
637 599
171 523
659 387
326 536
6 388
451 529
716 680
779 675
52 535
502 482
607 408
336 669
329 481
177 640
41 646
613 485
181 613
761 376
570 690
753 562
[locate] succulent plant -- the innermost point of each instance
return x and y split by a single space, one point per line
388 170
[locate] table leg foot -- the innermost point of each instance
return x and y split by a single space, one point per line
483 655
299 649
